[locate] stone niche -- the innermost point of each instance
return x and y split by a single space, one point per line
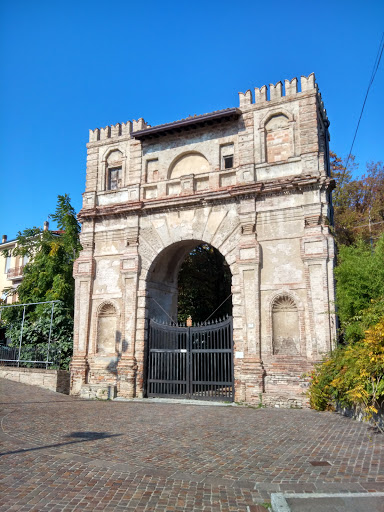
191 163
278 139
285 327
107 330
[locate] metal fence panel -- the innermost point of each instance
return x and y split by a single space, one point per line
191 362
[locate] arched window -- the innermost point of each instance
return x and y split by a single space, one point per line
278 139
114 170
106 329
285 326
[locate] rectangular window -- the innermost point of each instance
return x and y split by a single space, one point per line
114 178
228 162
7 264
226 156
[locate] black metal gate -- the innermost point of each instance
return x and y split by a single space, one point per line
191 362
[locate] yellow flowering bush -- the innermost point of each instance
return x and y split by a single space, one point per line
353 375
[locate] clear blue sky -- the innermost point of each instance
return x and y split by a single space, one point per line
75 65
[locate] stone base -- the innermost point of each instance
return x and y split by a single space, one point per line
54 380
284 401
278 381
286 382
101 391
249 383
78 369
94 378
126 385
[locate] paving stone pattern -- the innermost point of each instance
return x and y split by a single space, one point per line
337 504
60 453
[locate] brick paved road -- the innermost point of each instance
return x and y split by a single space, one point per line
64 454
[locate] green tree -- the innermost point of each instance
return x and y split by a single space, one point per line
204 282
358 202
343 216
360 287
353 375
47 277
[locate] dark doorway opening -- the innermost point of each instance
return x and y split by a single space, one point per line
204 285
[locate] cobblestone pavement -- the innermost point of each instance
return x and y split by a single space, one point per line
60 453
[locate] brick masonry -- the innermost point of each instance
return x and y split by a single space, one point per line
154 193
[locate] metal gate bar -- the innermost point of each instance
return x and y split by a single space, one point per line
191 362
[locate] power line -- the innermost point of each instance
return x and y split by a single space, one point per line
374 71
225 300
365 225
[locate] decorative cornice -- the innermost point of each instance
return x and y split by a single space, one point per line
278 186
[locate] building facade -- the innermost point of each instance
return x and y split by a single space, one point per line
11 270
254 183
12 267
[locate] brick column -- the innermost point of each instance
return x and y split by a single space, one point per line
127 365
317 253
246 156
248 365
83 272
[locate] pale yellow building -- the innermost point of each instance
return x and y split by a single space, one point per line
11 269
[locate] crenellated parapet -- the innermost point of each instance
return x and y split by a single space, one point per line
279 130
278 91
117 130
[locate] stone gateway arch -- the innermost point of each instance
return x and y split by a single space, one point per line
254 183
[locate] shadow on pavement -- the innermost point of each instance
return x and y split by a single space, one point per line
84 437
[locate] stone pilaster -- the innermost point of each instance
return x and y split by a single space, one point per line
83 273
248 365
316 258
129 269
246 149
248 261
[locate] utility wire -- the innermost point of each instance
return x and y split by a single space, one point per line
225 300
374 71
365 225
172 320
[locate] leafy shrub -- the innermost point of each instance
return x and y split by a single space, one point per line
36 332
320 390
353 375
360 287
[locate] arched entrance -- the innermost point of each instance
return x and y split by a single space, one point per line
186 359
